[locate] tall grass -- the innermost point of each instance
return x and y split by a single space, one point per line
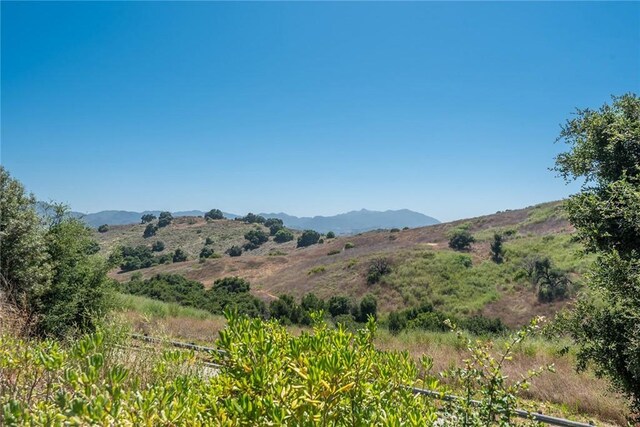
155 308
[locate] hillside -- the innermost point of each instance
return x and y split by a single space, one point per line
423 267
346 223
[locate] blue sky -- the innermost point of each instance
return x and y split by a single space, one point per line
450 109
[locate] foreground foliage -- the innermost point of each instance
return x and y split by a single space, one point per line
49 269
266 376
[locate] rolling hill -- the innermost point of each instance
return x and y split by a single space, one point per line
346 223
424 269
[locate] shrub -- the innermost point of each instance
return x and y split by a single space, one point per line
378 267
158 246
150 230
405 228
251 218
394 230
497 252
283 236
397 322
134 258
208 241
310 302
206 253
317 270
308 238
552 284
368 307
214 214
334 252
103 228
287 311
164 219
349 245
255 238
338 305
234 251
147 218
179 255
331 235
232 284
274 225
460 239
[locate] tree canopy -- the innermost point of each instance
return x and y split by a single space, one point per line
604 150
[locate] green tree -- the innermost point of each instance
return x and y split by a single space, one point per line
147 218
378 267
24 261
331 235
79 294
158 246
308 238
150 230
214 214
164 219
604 150
497 252
283 236
179 255
460 239
103 228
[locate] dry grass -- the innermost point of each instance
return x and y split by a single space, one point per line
566 392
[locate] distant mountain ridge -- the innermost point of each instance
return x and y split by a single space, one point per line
345 223
356 221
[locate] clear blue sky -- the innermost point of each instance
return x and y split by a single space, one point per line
450 109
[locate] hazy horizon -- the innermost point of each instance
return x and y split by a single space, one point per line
447 109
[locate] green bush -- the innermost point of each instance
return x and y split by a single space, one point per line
334 252
157 246
378 267
228 292
103 228
331 235
234 251
308 238
255 238
460 239
206 252
251 218
164 219
150 230
497 252
179 255
338 305
349 245
283 236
